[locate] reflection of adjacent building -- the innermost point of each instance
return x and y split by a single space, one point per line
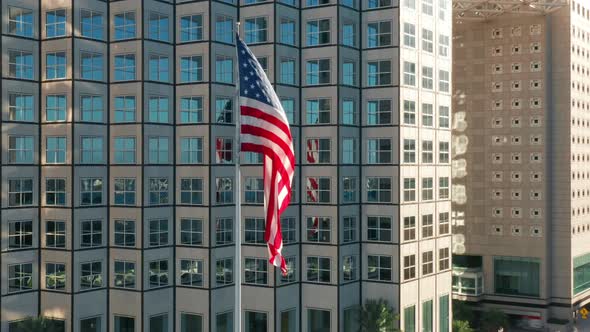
521 148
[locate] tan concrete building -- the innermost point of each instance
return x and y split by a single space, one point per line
520 158
117 177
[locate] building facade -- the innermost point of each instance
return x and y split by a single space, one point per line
520 158
118 160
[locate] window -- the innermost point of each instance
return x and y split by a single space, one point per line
427 262
427 152
443 188
318 111
125 67
409 189
191 272
379 151
20 277
124 324
158 273
256 30
124 150
318 190
224 272
224 231
379 112
91 108
311 3
443 117
191 109
224 69
443 223
379 268
287 31
288 230
191 28
158 26
20 234
427 225
379 34
409 228
443 152
349 112
91 275
443 81
409 267
349 73
125 274
158 191
55 192
55 276
517 276
378 189
90 191
125 233
55 65
372 4
191 322
427 9
443 45
20 192
379 228
91 233
55 152
444 319
318 32
158 68
256 321
348 34
91 150
191 231
223 150
349 150
318 269
20 107
409 35
291 275
158 150
55 23
254 190
191 191
191 150
427 115
349 268
223 110
379 73
224 193
20 64
254 230
55 108
318 72
125 25
410 319
443 259
255 271
224 322
287 71
319 229
318 150
427 78
191 68
20 21
427 313
91 25
318 320
427 41
124 191
55 234
349 189
409 73
158 323
224 26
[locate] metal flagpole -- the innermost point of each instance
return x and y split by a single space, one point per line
238 223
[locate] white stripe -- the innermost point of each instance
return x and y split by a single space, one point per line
266 108
258 140
271 127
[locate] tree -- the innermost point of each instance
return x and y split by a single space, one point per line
493 320
377 316
462 326
36 324
463 311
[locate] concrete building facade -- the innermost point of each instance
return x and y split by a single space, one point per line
520 162
117 159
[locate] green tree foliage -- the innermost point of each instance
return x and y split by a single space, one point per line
493 320
37 324
377 316
462 326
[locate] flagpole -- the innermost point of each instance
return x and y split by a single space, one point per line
238 254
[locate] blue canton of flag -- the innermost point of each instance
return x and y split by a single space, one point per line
253 81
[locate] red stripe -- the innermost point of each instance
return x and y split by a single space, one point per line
269 135
256 113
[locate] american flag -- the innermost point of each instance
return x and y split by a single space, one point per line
265 129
